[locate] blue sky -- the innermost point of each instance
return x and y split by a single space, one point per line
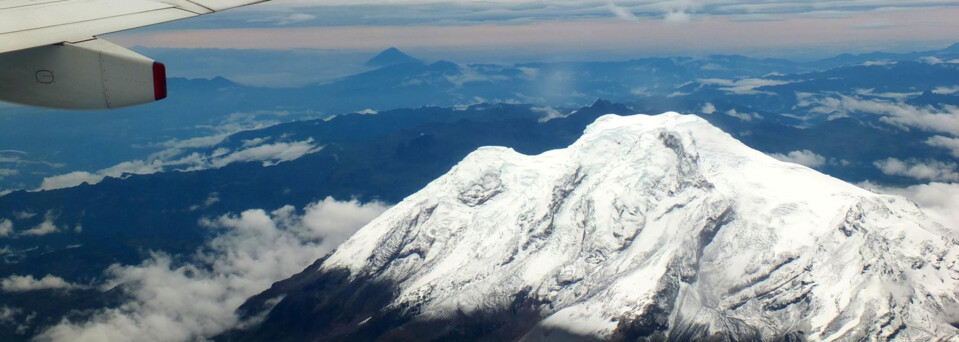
529 29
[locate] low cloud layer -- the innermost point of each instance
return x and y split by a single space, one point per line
6 227
46 227
802 157
16 283
196 300
931 170
197 153
743 116
899 114
746 86
171 160
952 144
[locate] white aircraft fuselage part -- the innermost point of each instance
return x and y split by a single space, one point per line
50 55
90 75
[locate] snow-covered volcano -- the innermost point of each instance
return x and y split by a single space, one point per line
647 226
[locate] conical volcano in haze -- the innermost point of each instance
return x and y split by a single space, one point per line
391 56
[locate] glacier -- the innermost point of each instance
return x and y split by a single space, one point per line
646 228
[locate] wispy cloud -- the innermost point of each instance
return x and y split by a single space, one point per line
879 63
946 90
622 13
743 116
931 170
6 227
802 157
951 144
927 118
267 155
194 154
48 226
16 283
286 19
549 113
745 86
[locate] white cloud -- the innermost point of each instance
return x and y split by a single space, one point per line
198 142
549 113
8 314
803 157
172 157
930 60
745 86
17 283
928 118
287 19
708 108
932 170
16 157
23 215
198 299
889 95
879 63
212 199
469 74
945 142
622 13
47 227
368 111
254 142
269 154
70 180
6 227
677 17
946 90
743 116
335 221
938 200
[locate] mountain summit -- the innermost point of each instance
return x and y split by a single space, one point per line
658 227
388 57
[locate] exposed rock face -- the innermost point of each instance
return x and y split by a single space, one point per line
648 227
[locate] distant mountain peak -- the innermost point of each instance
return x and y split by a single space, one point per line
391 56
952 48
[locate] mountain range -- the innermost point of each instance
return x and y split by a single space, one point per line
120 188
200 108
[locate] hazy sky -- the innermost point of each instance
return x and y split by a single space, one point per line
520 29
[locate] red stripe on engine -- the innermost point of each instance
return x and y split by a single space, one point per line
159 81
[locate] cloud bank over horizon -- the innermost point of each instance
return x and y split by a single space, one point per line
650 27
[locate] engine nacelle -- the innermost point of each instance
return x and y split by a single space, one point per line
94 74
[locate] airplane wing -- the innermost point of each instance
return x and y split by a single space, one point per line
31 23
37 36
